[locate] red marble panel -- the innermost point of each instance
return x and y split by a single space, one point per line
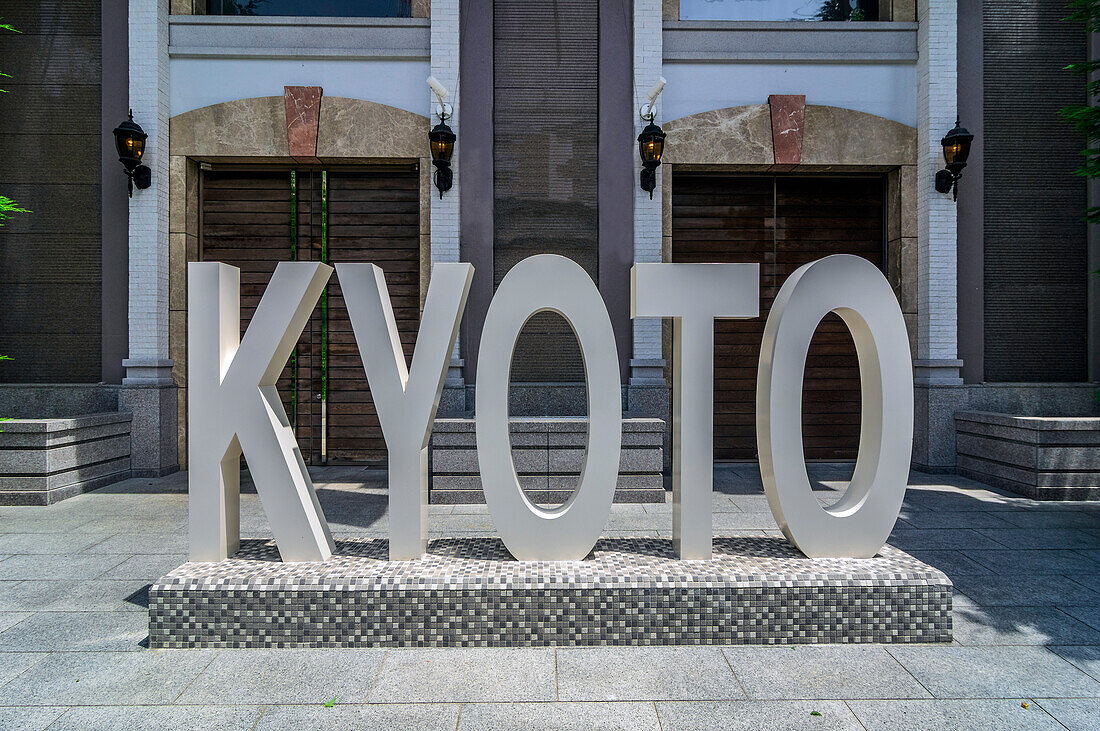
303 116
788 119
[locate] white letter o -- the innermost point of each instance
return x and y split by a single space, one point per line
536 284
859 523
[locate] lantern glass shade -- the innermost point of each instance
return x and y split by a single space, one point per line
442 141
130 142
651 145
956 146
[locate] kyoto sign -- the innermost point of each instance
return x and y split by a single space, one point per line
234 407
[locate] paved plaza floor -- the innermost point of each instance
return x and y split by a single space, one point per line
73 655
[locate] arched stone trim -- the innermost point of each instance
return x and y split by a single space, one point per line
832 136
255 131
349 130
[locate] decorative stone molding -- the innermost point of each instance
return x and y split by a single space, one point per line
831 136
303 113
788 112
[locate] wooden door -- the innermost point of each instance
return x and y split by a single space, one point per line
254 219
780 223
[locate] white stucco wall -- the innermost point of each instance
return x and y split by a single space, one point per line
886 90
200 82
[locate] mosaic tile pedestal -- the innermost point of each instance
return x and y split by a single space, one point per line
470 592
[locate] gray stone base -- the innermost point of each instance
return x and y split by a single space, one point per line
44 461
470 592
1043 458
548 453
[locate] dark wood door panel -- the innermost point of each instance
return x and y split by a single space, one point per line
780 223
251 222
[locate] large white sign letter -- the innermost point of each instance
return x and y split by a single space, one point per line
693 295
536 284
233 407
860 522
406 400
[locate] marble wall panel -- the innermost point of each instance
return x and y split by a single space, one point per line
836 136
730 136
245 128
357 128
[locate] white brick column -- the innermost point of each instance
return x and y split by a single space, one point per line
445 210
148 388
937 237
646 365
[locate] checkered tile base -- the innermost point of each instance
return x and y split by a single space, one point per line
628 591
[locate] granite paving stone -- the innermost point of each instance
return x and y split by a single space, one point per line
36 566
905 538
54 596
1085 657
161 718
144 567
104 678
374 717
1022 590
645 673
994 672
1076 714
33 718
562 716
1090 615
466 675
1003 714
77 631
32 543
10 619
1019 562
12 664
1059 538
1020 626
755 715
823 671
1050 519
950 561
942 520
141 543
292 676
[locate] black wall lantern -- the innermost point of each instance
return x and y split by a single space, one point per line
651 144
442 141
956 148
130 143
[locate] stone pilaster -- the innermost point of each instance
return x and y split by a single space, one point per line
149 391
937 286
646 365
939 391
444 223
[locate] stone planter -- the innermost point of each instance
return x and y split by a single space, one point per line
548 453
43 461
1041 457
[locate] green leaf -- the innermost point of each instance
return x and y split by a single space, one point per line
815 713
330 704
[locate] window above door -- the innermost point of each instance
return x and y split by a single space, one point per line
780 10
313 8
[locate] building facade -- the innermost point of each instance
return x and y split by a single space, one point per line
283 130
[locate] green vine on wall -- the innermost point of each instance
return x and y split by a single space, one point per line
7 205
1085 118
